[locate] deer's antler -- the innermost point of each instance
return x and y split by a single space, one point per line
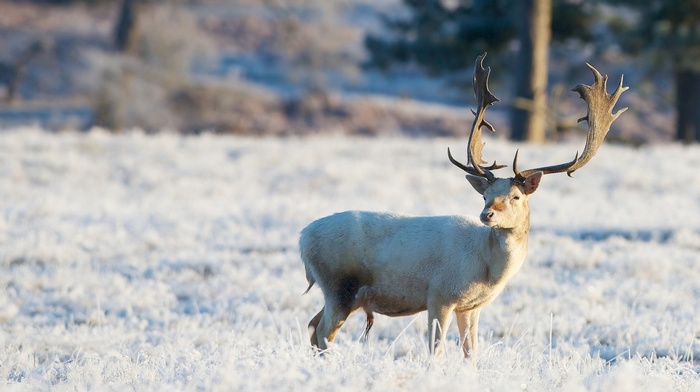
599 118
484 99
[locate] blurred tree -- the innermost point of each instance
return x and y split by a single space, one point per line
125 32
125 37
667 32
445 35
13 72
136 84
534 33
317 51
72 2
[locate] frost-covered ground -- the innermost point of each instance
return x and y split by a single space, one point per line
136 262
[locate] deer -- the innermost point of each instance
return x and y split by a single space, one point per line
399 265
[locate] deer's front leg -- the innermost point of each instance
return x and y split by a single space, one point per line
438 320
468 324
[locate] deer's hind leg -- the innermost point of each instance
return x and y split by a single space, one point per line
341 302
313 324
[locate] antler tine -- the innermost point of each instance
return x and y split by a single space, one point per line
484 99
599 117
563 167
470 169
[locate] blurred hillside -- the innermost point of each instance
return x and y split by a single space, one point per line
274 67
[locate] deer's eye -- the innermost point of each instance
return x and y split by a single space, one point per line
516 197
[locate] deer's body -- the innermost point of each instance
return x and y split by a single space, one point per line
400 265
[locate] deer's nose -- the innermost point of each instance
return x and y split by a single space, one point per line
486 216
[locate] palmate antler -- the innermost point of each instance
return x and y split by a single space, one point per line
484 99
599 118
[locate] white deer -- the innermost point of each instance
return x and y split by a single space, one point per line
399 265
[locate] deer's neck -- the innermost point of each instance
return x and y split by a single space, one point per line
508 248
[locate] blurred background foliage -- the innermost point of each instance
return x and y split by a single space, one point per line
289 67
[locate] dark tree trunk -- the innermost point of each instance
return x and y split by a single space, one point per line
528 117
687 105
125 41
125 29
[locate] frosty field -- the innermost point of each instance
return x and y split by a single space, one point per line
135 262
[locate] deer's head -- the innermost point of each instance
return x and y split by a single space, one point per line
506 199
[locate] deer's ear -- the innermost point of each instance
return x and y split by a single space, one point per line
531 183
479 183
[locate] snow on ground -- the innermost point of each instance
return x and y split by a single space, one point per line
170 263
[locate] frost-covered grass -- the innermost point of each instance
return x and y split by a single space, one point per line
136 262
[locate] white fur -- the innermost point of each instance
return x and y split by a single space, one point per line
399 265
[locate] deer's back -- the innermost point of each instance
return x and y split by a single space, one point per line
384 243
